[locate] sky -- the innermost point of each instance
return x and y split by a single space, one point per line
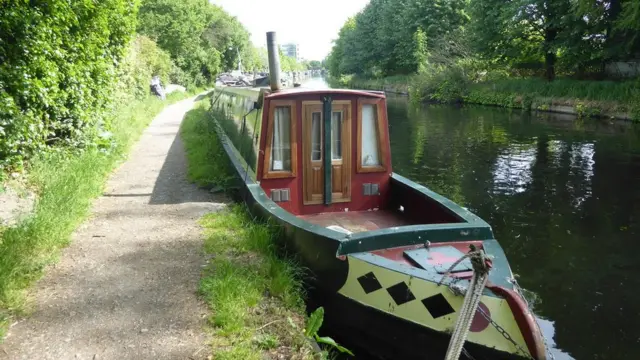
312 24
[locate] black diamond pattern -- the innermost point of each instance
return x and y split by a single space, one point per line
369 283
400 293
438 306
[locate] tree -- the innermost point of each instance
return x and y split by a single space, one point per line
315 65
255 59
336 58
57 66
201 38
230 37
527 37
389 36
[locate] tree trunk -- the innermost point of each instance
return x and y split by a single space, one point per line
613 40
550 35
549 65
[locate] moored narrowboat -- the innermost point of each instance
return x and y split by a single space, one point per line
387 254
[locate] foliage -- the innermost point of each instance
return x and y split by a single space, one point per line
575 37
314 65
390 36
56 69
65 180
542 38
143 60
255 296
208 164
288 63
313 326
441 84
201 38
255 59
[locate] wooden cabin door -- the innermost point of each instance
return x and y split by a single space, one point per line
313 128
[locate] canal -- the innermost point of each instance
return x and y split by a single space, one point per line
563 197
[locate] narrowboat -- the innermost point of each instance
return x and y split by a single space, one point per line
380 246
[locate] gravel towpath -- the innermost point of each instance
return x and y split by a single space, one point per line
126 287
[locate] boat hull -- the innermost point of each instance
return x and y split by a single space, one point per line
381 336
417 297
330 257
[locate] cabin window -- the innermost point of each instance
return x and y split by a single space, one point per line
370 151
336 135
370 136
281 146
280 151
316 136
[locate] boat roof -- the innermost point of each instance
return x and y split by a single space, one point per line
309 91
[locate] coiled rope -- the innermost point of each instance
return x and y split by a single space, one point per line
471 300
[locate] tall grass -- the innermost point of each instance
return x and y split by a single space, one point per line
66 181
466 83
208 163
618 91
396 83
255 295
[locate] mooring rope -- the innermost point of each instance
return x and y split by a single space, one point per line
471 301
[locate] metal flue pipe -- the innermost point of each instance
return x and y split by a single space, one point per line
274 61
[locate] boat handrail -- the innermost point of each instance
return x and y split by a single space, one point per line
413 235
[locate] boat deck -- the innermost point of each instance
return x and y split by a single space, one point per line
358 221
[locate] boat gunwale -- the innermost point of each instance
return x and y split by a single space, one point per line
472 227
496 276
430 274
352 243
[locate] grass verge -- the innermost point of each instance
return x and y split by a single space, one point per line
66 182
208 163
255 296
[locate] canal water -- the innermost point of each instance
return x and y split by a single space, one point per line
563 197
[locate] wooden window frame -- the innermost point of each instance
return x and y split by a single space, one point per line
270 174
382 150
346 107
308 109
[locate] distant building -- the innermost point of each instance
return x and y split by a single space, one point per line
291 50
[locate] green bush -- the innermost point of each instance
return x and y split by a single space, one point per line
194 33
57 64
441 84
143 60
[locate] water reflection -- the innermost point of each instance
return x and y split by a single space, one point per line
315 83
513 169
563 199
548 330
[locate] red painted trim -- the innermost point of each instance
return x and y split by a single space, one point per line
358 202
525 320
397 254
319 92
523 316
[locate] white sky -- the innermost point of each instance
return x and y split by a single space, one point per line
313 24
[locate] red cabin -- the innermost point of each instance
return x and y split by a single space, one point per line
310 166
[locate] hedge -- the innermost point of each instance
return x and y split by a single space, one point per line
58 62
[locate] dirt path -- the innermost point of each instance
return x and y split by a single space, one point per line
126 286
